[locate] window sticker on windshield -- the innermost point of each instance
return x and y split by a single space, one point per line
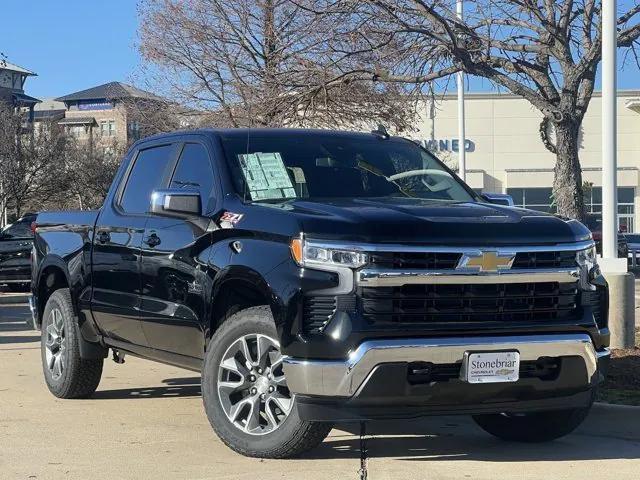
266 176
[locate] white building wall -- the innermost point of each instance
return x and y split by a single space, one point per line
508 152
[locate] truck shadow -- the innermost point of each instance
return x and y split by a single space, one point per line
458 438
174 387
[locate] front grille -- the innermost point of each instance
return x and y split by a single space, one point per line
427 303
415 260
449 261
545 260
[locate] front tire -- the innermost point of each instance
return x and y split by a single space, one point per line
533 427
244 390
66 374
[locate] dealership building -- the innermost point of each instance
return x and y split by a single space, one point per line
505 153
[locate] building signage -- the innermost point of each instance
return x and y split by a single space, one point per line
95 105
446 145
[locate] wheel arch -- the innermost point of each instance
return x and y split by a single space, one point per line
238 288
53 275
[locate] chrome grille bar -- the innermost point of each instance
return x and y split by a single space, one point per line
396 278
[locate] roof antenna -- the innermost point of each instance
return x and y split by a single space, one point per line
381 131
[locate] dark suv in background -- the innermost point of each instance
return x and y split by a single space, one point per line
16 241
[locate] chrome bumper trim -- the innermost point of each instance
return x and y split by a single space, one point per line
396 278
346 378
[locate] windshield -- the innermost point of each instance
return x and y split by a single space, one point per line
282 165
17 230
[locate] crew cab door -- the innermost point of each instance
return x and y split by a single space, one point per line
173 301
117 244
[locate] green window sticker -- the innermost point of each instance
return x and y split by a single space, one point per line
266 176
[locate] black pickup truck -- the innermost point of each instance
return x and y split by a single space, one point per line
16 242
317 277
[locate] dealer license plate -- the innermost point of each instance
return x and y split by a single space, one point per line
490 367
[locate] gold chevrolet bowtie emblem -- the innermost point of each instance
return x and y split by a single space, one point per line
486 262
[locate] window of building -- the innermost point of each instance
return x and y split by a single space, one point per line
626 206
533 198
108 128
77 130
540 199
147 174
133 130
194 172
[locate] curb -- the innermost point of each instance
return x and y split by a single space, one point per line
14 298
616 407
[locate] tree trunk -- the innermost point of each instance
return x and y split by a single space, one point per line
567 184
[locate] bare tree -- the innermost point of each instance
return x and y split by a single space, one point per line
258 63
544 51
29 160
88 173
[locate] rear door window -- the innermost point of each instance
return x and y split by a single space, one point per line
148 174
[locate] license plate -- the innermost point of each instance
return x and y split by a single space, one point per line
490 367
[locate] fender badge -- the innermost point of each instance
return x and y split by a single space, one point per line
229 219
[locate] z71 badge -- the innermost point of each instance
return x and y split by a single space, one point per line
229 219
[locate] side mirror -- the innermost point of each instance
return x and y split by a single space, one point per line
499 199
176 203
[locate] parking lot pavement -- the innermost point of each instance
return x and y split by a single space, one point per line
146 422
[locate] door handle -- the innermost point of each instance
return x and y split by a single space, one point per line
103 236
152 240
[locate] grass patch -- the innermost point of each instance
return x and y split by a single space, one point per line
623 381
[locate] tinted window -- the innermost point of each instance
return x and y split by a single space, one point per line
284 165
633 238
146 175
18 230
194 172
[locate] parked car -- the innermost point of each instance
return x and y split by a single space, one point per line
16 241
633 242
318 277
594 223
499 198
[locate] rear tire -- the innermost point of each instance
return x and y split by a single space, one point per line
66 374
260 436
533 427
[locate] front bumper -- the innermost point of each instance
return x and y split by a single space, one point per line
373 382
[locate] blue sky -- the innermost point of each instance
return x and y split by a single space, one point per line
77 44
70 44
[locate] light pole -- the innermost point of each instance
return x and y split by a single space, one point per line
609 147
462 161
621 283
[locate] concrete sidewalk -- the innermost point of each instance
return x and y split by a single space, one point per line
146 422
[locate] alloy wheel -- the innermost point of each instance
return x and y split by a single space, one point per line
56 345
251 385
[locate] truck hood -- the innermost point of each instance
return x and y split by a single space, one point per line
383 220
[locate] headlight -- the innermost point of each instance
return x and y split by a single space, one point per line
588 263
310 253
587 258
